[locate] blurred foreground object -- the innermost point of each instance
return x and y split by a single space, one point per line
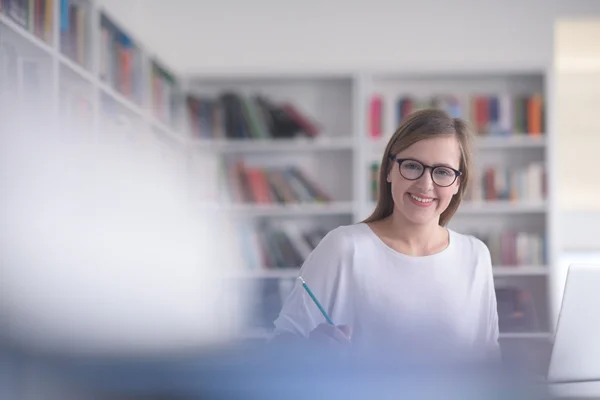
102 250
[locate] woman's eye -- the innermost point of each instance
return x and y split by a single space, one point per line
412 166
443 172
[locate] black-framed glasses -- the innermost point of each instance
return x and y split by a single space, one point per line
412 170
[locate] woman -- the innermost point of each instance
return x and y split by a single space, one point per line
400 279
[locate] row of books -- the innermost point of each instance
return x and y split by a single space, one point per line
236 116
500 114
285 245
527 183
281 244
33 15
74 37
512 248
120 61
268 301
163 89
269 185
517 310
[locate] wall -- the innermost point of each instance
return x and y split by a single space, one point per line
195 36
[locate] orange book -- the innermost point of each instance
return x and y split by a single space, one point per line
48 21
263 186
258 189
157 94
482 115
534 115
490 184
126 60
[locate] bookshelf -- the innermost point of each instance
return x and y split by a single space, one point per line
280 130
87 66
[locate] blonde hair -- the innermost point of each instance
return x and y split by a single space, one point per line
424 124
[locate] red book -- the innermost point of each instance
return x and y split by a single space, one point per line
375 116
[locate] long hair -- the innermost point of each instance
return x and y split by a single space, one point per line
424 124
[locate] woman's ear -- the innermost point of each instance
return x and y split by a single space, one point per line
456 187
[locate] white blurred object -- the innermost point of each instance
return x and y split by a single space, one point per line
103 251
575 363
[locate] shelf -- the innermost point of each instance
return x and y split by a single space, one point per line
501 207
496 207
26 35
76 68
274 145
119 98
511 142
520 270
526 335
122 100
272 210
156 124
484 143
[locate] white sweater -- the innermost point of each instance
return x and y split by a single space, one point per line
439 303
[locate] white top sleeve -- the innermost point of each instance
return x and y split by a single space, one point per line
322 272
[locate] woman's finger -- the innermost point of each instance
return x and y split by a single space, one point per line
334 332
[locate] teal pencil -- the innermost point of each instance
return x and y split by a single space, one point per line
312 296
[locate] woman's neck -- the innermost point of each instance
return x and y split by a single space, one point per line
418 239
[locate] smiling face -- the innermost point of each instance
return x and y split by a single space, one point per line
421 201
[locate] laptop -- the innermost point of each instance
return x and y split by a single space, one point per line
575 360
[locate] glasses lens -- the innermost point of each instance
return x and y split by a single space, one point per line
411 169
443 176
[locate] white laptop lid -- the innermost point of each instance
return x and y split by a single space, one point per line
576 350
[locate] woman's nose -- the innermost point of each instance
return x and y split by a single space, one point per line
425 182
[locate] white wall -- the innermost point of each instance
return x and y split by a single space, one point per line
195 36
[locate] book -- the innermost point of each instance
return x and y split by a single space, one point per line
285 184
231 115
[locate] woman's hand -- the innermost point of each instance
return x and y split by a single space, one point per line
327 333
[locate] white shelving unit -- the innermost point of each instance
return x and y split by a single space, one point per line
80 76
338 159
